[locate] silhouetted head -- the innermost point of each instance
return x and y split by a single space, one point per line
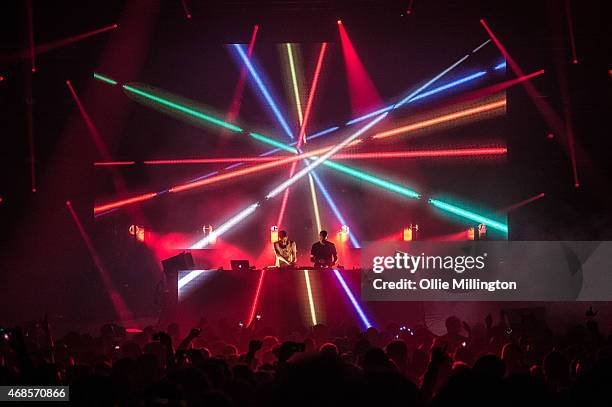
282 236
323 235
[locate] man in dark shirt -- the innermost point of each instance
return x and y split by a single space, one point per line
323 252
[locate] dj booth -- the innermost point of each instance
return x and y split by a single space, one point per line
285 298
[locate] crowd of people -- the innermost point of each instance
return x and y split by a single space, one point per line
224 364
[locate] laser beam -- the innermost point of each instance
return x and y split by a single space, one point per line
364 319
445 118
264 90
464 213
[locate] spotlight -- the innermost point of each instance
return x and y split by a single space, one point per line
339 22
343 234
482 232
550 136
208 232
411 233
274 234
138 232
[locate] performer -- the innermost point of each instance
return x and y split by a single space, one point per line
285 250
323 252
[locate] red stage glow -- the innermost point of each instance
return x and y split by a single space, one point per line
441 119
363 93
118 304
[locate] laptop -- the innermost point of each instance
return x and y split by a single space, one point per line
240 265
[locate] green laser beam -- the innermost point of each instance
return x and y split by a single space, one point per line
183 109
469 215
104 79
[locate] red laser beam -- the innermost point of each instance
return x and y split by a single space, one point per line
31 36
118 304
256 298
523 202
363 93
496 88
97 139
239 90
553 121
50 46
30 124
313 88
186 9
113 163
207 181
456 152
570 26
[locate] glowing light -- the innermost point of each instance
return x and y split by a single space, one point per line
209 231
500 66
104 79
449 85
363 94
523 202
315 205
227 226
296 92
113 163
313 88
256 298
323 158
469 215
124 202
182 108
429 82
138 232
460 152
343 234
274 234
364 319
264 90
313 314
322 133
407 234
183 281
273 142
374 180
445 118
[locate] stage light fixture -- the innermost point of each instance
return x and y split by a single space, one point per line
138 232
469 215
227 226
274 234
364 319
264 90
